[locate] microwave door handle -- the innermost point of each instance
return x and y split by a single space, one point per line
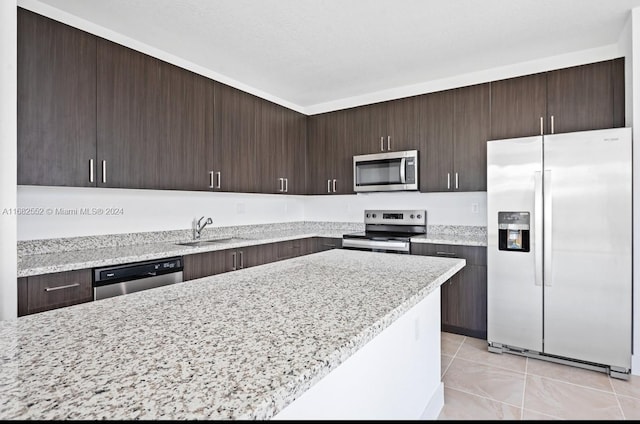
403 174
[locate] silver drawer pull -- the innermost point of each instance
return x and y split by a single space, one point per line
48 289
446 253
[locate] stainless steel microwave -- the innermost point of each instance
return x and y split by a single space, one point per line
389 171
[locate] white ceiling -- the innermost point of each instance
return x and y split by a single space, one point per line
309 52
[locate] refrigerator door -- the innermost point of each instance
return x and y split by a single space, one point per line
587 201
514 285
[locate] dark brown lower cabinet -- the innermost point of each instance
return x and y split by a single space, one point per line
463 298
293 248
219 261
211 263
321 244
41 293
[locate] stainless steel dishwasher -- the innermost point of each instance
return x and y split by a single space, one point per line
130 278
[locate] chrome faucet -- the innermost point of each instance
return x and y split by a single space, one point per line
197 228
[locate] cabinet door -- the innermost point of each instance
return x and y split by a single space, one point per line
471 131
371 131
518 105
617 72
321 244
319 169
463 297
342 148
205 264
52 291
270 145
56 103
236 151
581 98
403 124
436 141
294 151
151 122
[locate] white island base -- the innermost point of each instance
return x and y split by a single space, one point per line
396 375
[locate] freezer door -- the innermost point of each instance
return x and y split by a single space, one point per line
587 293
514 278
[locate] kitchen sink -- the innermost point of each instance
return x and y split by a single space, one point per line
200 243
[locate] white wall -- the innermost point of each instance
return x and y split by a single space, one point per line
630 44
143 210
8 155
442 208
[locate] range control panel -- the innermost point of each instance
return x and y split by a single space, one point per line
395 217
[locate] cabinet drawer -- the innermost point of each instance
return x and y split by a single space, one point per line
51 291
474 255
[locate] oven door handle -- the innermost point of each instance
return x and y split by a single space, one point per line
400 246
403 173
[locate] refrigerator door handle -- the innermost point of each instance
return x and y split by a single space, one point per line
548 228
537 228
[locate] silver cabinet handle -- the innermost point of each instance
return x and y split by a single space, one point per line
211 179
286 185
537 229
218 179
548 228
334 186
281 186
448 181
104 172
382 144
388 142
90 170
552 129
541 125
241 259
446 253
235 262
328 186
68 286
456 180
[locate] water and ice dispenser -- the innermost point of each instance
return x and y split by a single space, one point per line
513 231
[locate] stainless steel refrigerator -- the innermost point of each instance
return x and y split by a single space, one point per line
559 248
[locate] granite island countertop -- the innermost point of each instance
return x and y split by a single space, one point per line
236 345
48 256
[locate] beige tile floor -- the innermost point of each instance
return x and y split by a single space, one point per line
479 385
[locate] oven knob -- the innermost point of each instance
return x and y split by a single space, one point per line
374 215
367 215
419 216
411 216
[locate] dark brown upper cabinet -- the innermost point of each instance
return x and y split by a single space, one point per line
388 126
330 149
435 160
294 152
56 103
518 106
237 150
472 122
579 98
282 142
151 122
454 129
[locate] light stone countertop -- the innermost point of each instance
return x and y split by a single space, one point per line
238 345
48 256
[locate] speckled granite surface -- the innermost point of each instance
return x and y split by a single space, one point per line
103 253
46 256
454 234
237 345
35 247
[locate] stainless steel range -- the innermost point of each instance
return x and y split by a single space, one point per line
388 231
